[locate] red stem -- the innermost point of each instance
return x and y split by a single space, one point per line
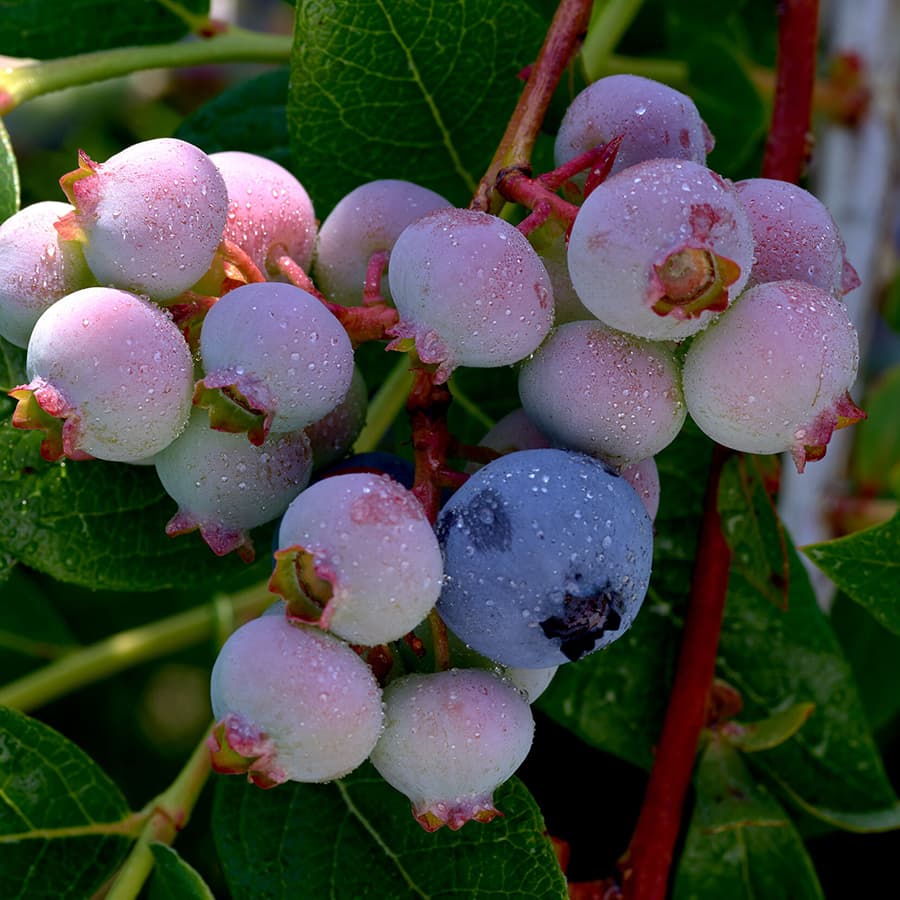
530 192
599 158
374 271
427 406
362 323
562 41
787 148
246 270
645 866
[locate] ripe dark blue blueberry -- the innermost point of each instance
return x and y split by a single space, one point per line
547 557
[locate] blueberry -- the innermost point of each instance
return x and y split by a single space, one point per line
559 571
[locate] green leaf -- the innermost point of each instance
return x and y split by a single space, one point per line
727 100
769 732
64 825
357 837
414 90
779 656
740 843
98 524
9 176
46 29
870 821
32 632
615 699
173 878
876 446
866 566
874 654
250 116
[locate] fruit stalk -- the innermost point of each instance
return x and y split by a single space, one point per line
234 44
170 813
562 42
121 651
427 407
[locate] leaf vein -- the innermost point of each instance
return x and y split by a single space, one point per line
370 828
429 100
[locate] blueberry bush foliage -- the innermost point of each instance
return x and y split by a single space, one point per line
736 741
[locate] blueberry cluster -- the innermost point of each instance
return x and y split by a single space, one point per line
183 311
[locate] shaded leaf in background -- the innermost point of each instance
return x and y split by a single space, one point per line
357 837
48 783
876 446
615 699
32 632
46 29
417 90
7 567
250 117
728 102
777 657
173 878
890 309
740 843
874 654
708 37
866 566
9 176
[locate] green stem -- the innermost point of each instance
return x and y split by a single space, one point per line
171 811
386 405
127 649
608 23
234 44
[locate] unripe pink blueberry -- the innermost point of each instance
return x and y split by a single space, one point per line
643 476
794 237
150 217
660 249
605 393
368 220
450 738
280 350
269 211
774 373
224 485
654 119
333 435
291 704
470 290
362 545
516 431
36 268
116 372
551 243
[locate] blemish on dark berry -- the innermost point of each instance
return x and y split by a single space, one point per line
584 622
